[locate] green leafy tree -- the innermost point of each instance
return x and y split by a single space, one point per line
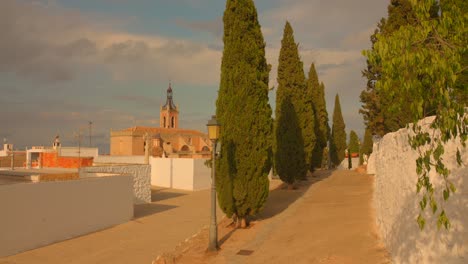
292 95
353 146
338 135
381 113
424 60
243 110
322 130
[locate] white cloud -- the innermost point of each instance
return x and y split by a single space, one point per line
50 43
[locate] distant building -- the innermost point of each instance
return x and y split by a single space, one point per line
165 141
60 157
7 148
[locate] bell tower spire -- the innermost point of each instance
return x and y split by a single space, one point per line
169 113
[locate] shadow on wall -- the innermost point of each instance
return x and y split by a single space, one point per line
451 243
283 198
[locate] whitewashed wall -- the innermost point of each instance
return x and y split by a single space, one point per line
179 173
120 159
75 152
37 214
141 175
201 175
344 164
396 203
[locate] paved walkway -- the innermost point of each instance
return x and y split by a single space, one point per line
329 219
157 227
333 223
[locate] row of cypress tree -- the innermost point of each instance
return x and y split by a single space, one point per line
301 124
251 140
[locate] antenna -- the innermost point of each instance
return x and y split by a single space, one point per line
90 123
78 137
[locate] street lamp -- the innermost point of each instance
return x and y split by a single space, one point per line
213 135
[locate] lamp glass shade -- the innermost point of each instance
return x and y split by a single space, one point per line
213 128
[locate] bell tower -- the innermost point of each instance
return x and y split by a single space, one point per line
169 113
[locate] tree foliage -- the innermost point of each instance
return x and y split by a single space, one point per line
290 155
294 123
322 129
338 135
243 110
353 146
379 108
367 144
424 61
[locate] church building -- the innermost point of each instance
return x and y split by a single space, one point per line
167 140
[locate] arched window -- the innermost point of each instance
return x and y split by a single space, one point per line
185 148
173 122
164 123
205 148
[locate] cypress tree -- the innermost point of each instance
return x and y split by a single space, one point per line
322 129
292 93
367 144
338 136
353 146
243 110
290 156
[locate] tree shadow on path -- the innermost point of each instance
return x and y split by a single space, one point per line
281 198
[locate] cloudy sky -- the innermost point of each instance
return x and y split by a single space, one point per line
64 63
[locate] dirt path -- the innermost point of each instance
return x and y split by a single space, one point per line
327 220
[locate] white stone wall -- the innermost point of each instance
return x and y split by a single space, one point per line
371 163
179 173
141 175
120 159
37 214
396 203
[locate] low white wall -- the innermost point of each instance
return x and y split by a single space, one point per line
38 214
179 173
75 152
396 203
202 175
120 159
344 164
183 174
161 172
141 175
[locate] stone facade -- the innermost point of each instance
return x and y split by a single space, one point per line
141 175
